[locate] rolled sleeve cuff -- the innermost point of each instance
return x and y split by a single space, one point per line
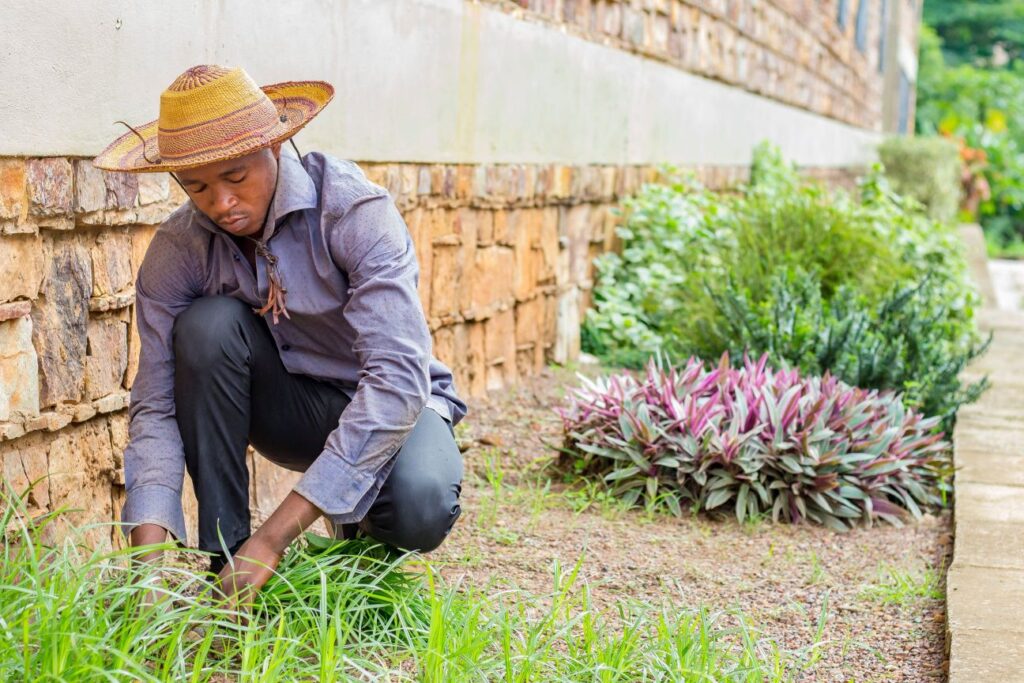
154 504
335 487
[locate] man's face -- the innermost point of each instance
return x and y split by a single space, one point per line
236 193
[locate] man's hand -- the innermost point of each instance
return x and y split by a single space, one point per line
248 570
255 561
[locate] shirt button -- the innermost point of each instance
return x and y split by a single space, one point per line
286 347
235 256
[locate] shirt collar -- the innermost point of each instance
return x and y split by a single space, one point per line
295 192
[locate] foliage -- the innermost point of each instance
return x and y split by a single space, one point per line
983 108
865 287
971 31
927 169
756 440
901 587
339 611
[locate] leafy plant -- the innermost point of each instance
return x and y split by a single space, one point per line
865 286
755 440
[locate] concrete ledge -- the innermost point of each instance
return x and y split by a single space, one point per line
985 439
988 544
977 656
989 503
985 598
992 468
985 582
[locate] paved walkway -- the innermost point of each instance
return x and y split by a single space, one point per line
985 583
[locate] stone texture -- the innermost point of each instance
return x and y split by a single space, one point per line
492 278
90 187
19 384
15 309
50 183
107 357
26 463
22 263
153 187
476 360
500 349
987 439
13 204
444 294
122 190
81 468
59 320
111 263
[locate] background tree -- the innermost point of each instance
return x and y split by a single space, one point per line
979 30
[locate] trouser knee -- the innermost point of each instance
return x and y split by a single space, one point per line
210 330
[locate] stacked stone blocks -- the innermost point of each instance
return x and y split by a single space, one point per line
504 263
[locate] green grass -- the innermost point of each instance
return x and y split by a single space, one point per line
344 611
897 586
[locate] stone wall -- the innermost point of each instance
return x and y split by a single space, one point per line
793 51
505 255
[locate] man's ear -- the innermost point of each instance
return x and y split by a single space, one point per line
276 150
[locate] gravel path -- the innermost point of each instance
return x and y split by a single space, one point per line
780 576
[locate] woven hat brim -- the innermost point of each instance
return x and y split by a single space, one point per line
298 101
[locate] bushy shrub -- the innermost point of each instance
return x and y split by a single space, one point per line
927 169
866 287
757 441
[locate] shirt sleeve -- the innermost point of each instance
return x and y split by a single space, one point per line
154 459
371 243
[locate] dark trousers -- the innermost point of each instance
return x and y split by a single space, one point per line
231 389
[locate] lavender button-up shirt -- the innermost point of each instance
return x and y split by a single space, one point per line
348 262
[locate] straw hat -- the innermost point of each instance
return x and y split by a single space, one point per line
212 113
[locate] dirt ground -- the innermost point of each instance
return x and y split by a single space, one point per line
780 576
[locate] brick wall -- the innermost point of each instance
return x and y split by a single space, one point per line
792 51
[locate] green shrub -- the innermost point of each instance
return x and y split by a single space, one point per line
927 169
866 287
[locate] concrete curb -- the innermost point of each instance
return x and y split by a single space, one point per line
985 582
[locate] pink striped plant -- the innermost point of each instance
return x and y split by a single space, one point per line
756 440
